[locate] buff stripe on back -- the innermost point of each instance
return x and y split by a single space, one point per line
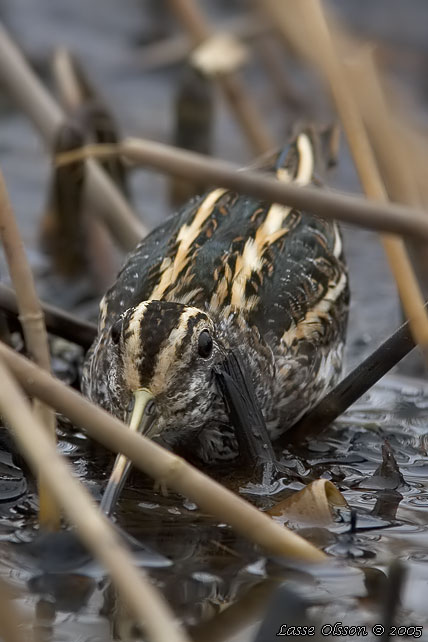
269 231
187 234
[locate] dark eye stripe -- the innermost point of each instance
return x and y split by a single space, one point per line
191 323
156 325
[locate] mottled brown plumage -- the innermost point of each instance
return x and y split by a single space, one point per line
228 271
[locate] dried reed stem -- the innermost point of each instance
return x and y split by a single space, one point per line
143 600
330 64
382 128
399 166
387 217
246 112
33 325
10 618
65 80
104 197
160 464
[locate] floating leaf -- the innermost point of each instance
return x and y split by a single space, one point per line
315 504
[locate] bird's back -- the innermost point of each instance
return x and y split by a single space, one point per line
279 268
272 278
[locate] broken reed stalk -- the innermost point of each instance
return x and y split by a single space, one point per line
330 65
10 617
387 217
58 322
20 81
144 602
34 329
246 112
82 100
160 464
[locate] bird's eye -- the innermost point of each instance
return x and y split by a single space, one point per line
116 331
205 344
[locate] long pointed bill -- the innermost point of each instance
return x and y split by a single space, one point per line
142 418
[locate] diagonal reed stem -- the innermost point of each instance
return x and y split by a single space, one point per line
387 217
36 339
146 604
163 466
318 34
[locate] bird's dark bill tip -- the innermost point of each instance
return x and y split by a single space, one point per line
115 484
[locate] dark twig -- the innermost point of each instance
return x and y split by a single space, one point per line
394 587
64 227
245 415
355 384
57 321
255 446
193 127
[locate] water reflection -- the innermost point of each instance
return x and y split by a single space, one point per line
207 572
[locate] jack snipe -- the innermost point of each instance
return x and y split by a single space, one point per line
227 271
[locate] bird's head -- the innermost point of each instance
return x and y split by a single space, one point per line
160 377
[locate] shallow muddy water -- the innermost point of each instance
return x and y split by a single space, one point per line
205 570
216 582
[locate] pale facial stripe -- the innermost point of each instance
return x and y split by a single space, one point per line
272 228
133 347
167 353
150 364
187 235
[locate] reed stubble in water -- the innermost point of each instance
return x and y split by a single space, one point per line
104 198
240 101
